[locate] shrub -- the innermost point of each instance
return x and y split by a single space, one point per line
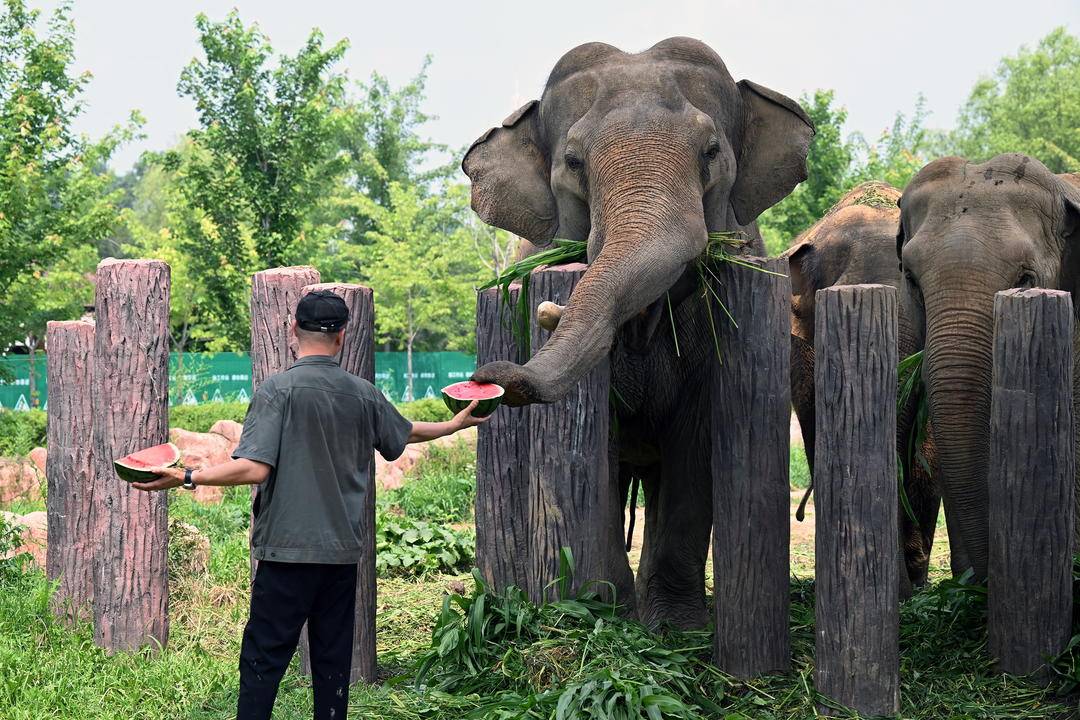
799 470
10 538
21 432
405 546
442 487
426 410
200 418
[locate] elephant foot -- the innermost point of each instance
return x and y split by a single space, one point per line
665 609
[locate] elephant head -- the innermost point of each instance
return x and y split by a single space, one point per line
641 155
967 231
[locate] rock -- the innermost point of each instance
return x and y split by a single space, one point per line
38 456
391 475
228 429
189 550
19 480
200 451
33 528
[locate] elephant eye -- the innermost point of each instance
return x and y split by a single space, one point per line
573 163
1027 280
712 151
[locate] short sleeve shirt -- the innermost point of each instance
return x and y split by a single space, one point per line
315 425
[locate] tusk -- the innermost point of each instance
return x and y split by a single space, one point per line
548 315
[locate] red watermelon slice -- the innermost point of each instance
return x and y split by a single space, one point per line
458 396
133 468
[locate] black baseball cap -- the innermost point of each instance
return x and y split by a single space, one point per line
322 311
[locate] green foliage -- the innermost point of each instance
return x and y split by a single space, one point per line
798 468
10 538
898 153
828 164
1030 105
425 410
263 157
21 432
54 199
405 546
441 487
200 418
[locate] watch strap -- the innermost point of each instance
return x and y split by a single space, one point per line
189 483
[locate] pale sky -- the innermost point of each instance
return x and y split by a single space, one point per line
491 56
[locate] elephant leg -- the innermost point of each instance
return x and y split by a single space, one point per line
678 520
918 533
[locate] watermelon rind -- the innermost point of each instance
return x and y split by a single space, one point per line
484 408
138 474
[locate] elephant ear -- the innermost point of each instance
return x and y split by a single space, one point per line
511 181
772 160
1070 231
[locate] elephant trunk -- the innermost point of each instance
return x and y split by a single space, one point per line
958 374
647 225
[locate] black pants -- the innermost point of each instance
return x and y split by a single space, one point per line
283 597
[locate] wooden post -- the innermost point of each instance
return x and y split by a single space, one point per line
358 357
751 420
1031 479
574 499
274 294
130 399
857 659
502 454
69 468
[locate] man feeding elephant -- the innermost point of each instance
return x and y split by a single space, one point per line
307 443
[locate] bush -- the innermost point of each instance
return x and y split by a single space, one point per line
426 410
10 538
21 432
442 487
405 546
200 418
799 469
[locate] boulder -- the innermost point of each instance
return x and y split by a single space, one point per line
33 528
391 475
19 480
200 451
38 456
228 429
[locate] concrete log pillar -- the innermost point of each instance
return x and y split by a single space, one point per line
69 467
130 398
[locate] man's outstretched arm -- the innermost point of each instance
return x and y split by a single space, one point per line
425 431
240 471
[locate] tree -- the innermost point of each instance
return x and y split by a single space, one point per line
60 292
1030 105
828 165
421 262
263 157
55 196
899 152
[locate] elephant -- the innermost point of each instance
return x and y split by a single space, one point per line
641 155
968 230
855 243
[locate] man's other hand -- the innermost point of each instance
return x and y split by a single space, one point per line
170 477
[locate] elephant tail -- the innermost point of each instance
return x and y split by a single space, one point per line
801 512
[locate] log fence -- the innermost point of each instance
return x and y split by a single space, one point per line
545 478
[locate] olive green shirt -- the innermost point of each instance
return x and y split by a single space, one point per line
315 425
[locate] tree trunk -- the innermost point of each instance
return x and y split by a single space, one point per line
274 295
574 501
751 492
69 468
502 454
1031 480
131 412
358 357
857 657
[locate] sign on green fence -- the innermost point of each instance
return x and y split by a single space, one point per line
196 378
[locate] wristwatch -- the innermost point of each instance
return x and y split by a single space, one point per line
189 484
